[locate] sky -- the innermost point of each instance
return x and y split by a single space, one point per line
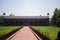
28 7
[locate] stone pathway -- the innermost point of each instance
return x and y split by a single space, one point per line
23 34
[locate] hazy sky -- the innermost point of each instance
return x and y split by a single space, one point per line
28 7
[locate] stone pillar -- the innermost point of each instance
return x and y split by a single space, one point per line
38 22
33 22
22 22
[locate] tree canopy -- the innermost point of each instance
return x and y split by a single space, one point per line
1 20
56 17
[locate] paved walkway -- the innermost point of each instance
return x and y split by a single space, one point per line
23 34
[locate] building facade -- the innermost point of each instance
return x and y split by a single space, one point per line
26 20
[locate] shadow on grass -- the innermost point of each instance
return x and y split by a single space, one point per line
40 35
9 34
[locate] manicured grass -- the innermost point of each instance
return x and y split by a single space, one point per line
6 29
48 31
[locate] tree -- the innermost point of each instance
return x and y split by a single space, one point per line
11 15
48 14
56 17
1 20
3 13
40 15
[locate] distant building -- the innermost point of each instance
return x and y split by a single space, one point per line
26 20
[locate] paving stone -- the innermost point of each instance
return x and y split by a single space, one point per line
24 34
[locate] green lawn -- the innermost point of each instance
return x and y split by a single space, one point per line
48 31
6 29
